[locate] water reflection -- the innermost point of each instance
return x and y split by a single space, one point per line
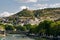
21 37
47 39
15 37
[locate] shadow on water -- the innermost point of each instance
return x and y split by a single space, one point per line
47 39
24 37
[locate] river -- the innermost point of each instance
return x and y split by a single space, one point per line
15 37
21 37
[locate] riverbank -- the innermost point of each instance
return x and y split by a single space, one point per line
27 34
2 35
23 36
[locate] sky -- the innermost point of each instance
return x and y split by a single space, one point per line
10 7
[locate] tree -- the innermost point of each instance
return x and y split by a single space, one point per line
28 26
58 27
20 28
33 29
9 27
55 27
44 27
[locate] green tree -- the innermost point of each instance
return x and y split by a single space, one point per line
55 28
33 29
44 27
28 26
9 27
20 28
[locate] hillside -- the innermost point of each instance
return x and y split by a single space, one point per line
26 15
39 13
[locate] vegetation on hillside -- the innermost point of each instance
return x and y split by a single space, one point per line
38 13
47 27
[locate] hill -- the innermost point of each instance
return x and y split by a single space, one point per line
41 14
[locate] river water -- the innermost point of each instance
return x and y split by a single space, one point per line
21 37
15 37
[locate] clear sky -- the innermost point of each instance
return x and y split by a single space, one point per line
9 7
